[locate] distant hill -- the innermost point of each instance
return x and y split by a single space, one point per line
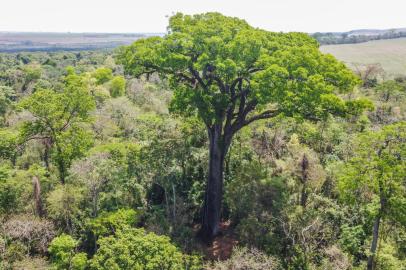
358 36
390 54
19 41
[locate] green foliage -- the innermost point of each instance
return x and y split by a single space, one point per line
211 52
14 253
388 259
7 96
63 205
356 107
103 75
109 223
58 117
108 179
135 249
79 261
62 251
10 192
32 72
378 170
374 178
8 144
117 86
352 238
390 90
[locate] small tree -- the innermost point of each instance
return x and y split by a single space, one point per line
94 173
376 175
390 89
62 250
103 75
369 74
31 74
231 74
117 86
7 96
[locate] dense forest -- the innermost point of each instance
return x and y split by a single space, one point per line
216 146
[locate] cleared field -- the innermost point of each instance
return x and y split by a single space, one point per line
18 41
390 53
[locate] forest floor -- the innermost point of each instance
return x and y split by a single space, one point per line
223 244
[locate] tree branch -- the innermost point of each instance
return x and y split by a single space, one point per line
264 115
196 75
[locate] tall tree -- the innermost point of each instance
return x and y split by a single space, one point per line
231 74
376 175
57 120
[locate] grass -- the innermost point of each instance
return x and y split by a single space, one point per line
390 53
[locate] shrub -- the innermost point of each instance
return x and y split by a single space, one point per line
62 251
63 204
102 75
8 144
13 253
79 261
108 223
33 232
352 238
9 191
387 258
135 249
117 86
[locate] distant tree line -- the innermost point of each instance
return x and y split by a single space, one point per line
347 38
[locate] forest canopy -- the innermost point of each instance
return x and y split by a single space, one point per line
230 74
215 146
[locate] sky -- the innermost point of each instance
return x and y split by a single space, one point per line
151 16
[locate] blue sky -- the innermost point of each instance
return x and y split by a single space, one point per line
151 15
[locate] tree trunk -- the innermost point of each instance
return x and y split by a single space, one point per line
61 164
211 215
61 168
303 197
46 154
38 209
95 198
304 164
374 245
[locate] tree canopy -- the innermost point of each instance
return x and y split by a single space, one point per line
222 68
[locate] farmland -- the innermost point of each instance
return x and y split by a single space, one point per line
390 53
19 41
